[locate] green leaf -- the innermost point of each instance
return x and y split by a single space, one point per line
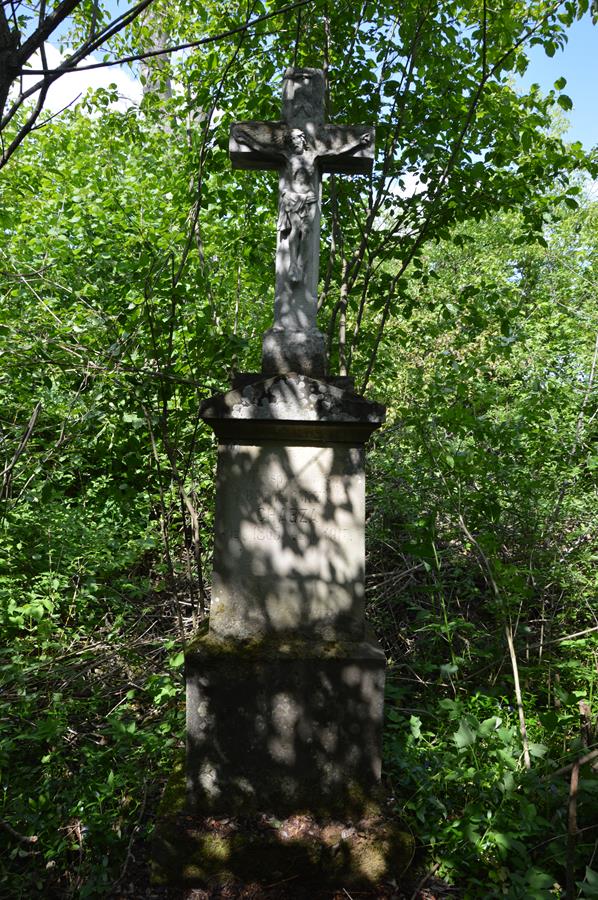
591 877
507 758
538 750
537 879
501 839
565 101
508 784
415 724
447 703
448 669
471 833
489 726
465 736
589 886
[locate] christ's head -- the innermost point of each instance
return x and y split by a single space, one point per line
298 140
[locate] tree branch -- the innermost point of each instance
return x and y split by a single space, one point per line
49 24
135 57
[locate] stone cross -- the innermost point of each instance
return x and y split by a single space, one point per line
301 147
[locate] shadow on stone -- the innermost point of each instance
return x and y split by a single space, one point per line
285 693
284 724
289 553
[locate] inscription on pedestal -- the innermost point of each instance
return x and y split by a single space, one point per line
275 520
289 541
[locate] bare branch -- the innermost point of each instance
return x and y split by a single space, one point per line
7 473
175 48
71 64
46 27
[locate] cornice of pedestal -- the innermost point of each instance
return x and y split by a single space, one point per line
293 408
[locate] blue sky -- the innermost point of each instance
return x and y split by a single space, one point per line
578 63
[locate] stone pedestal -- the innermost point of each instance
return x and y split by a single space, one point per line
285 693
285 690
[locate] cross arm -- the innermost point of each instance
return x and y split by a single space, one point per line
257 145
346 148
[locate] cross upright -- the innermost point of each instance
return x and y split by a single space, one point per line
301 147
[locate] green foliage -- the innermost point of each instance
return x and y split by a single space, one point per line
85 732
460 782
485 514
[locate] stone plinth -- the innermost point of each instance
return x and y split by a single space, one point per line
289 551
293 406
300 350
285 688
284 725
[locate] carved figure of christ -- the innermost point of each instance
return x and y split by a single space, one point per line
302 148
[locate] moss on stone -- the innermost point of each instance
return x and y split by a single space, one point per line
274 646
310 712
172 802
354 800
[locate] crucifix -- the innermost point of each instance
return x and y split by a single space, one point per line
288 575
301 147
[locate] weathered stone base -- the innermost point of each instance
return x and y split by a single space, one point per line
286 351
193 851
283 724
241 380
